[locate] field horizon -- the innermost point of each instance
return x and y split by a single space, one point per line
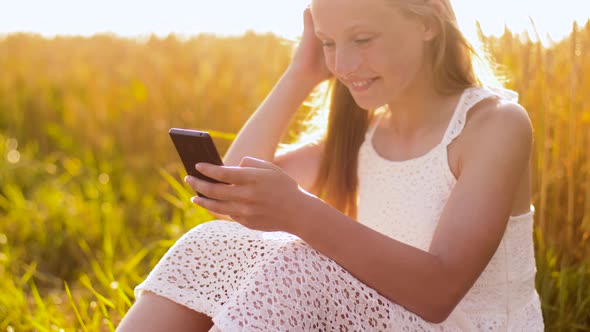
90 186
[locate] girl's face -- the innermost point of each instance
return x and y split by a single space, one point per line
371 47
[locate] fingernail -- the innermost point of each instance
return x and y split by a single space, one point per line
186 179
199 166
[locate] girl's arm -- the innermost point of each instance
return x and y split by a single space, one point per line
468 234
471 227
261 134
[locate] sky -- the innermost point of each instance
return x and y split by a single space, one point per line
283 17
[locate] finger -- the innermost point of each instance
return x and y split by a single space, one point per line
218 191
257 163
227 174
219 216
307 19
219 207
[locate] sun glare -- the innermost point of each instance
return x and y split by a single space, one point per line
132 18
551 20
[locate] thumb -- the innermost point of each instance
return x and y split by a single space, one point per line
256 163
307 19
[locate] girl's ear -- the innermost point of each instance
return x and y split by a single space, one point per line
432 28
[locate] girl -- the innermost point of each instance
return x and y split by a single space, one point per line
413 213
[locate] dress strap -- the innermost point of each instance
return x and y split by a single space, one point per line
469 99
372 129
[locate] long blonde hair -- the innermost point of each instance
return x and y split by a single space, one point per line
456 66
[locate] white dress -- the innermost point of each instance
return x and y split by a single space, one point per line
273 281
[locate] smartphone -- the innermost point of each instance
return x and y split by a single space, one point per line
193 147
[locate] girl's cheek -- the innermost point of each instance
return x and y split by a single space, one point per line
330 60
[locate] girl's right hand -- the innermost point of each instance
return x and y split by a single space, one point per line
308 62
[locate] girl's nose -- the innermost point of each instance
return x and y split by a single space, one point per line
347 63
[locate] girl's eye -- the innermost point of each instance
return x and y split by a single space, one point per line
328 44
362 40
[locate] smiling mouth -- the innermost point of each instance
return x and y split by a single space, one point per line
360 85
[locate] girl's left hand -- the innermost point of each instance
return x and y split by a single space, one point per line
257 194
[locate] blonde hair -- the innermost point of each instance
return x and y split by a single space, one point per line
456 66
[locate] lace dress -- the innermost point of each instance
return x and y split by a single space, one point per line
250 280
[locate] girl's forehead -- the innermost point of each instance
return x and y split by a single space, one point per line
350 5
329 14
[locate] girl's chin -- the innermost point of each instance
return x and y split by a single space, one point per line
367 104
368 101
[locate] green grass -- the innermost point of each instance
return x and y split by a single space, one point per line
74 244
90 190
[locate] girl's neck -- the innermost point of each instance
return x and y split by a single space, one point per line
418 108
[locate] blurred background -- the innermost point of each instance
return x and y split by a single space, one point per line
90 190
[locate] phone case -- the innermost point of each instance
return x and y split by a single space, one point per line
193 147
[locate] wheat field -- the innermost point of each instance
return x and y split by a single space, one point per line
90 190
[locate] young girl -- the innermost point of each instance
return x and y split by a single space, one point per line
412 213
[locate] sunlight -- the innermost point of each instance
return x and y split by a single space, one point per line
283 17
551 20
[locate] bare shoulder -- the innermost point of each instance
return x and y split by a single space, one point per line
302 163
492 112
495 125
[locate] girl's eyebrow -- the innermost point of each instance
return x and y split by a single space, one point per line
349 29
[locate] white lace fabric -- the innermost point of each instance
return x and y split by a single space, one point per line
273 281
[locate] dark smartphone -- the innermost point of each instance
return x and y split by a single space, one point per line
193 147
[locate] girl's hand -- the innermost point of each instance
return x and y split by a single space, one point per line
220 216
308 62
257 194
